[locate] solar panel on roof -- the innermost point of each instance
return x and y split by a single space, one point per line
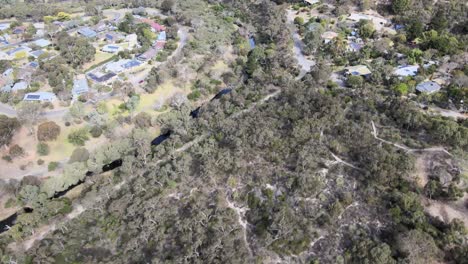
33 96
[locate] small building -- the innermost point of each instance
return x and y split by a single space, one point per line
36 53
354 47
8 73
42 43
87 32
4 56
100 27
113 37
40 97
405 71
101 77
22 85
379 22
329 36
111 48
121 65
428 87
5 39
80 86
311 2
358 70
149 54
39 25
132 41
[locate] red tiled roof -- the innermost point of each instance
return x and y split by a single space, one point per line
156 26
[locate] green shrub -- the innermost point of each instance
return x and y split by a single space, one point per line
52 166
78 137
42 149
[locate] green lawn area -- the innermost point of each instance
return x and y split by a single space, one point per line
61 149
163 92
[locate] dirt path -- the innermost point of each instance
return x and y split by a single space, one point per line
432 149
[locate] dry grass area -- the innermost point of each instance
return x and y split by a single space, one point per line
444 210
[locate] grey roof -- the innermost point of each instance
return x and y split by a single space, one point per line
20 86
80 86
42 43
428 87
37 53
87 32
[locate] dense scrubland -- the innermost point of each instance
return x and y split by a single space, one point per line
279 170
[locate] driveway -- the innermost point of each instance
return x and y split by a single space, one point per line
306 64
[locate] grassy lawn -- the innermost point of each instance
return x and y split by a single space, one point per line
61 149
163 92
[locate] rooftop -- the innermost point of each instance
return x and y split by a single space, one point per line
358 70
428 87
87 32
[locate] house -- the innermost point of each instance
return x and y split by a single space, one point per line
40 97
101 26
428 87
149 54
87 32
4 26
329 36
36 53
80 86
405 71
101 77
354 47
42 43
310 2
5 39
132 40
39 25
19 30
33 64
121 65
22 85
358 70
111 48
113 37
8 73
4 56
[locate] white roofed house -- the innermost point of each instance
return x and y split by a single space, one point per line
42 43
405 71
132 41
80 87
111 48
358 70
40 97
